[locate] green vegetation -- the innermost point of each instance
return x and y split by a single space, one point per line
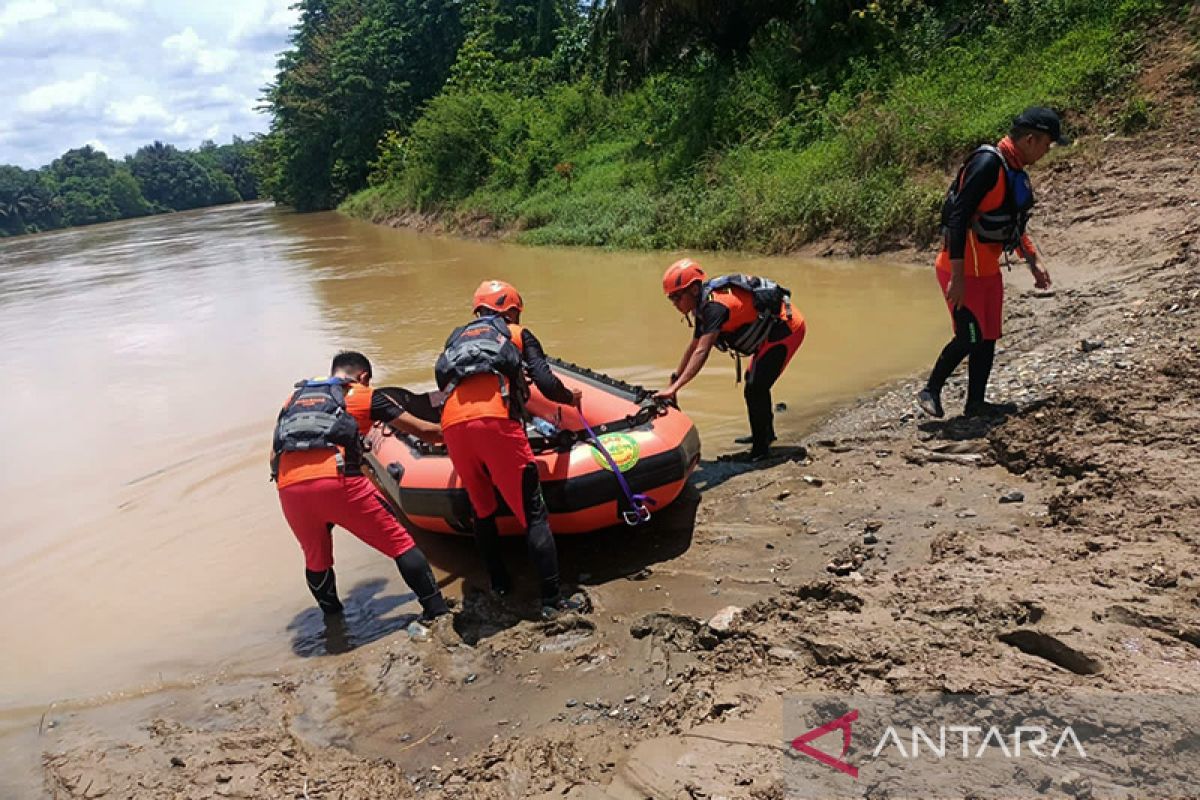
85 186
678 123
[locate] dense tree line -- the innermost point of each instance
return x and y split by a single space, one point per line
84 186
672 122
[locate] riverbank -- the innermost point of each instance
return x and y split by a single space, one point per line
900 555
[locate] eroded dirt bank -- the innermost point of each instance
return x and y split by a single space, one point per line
1056 549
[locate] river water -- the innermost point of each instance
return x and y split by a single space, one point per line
141 543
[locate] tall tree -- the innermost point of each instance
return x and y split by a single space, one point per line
173 180
357 69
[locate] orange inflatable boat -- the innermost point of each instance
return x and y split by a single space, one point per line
654 445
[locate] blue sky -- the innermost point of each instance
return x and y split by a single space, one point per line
118 74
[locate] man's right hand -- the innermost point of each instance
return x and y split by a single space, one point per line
955 291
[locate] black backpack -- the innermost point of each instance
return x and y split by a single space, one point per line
315 418
484 345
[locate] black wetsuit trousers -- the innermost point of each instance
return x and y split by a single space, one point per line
767 368
967 343
540 541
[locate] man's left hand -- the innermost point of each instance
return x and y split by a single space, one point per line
667 394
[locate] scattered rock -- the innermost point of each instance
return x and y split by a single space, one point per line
1088 345
723 620
783 654
967 513
572 702
870 538
812 480
1013 497
417 631
176 761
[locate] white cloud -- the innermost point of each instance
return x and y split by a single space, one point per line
94 20
260 19
139 109
186 48
62 94
96 144
20 11
77 71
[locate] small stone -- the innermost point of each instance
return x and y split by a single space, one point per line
812 480
722 621
770 546
1013 497
781 406
784 495
966 513
224 778
176 761
1088 345
783 654
417 631
471 678
616 712
571 703
629 698
870 538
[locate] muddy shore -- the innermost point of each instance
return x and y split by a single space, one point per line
1057 549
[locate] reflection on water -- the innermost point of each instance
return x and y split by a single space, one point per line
146 360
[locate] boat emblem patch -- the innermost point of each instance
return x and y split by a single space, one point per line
622 447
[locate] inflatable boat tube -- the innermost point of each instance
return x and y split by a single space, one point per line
655 445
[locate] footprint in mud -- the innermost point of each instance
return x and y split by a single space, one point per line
368 617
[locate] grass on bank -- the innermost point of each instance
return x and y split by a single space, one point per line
717 157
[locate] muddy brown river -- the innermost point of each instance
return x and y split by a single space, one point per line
141 544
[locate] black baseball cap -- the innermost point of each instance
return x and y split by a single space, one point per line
1039 118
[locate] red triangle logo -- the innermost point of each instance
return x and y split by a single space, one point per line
842 723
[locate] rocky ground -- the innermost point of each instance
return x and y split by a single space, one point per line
1053 550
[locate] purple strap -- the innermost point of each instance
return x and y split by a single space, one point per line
638 511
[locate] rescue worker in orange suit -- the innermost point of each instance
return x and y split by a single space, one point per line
483 371
983 221
745 315
317 465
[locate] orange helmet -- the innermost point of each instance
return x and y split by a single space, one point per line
680 275
497 296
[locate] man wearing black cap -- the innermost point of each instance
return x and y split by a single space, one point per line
983 220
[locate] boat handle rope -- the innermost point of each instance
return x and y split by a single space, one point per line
638 512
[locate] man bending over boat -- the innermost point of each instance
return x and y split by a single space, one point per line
747 316
316 462
482 370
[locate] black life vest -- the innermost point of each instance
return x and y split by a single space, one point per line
482 346
315 418
769 300
1004 225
